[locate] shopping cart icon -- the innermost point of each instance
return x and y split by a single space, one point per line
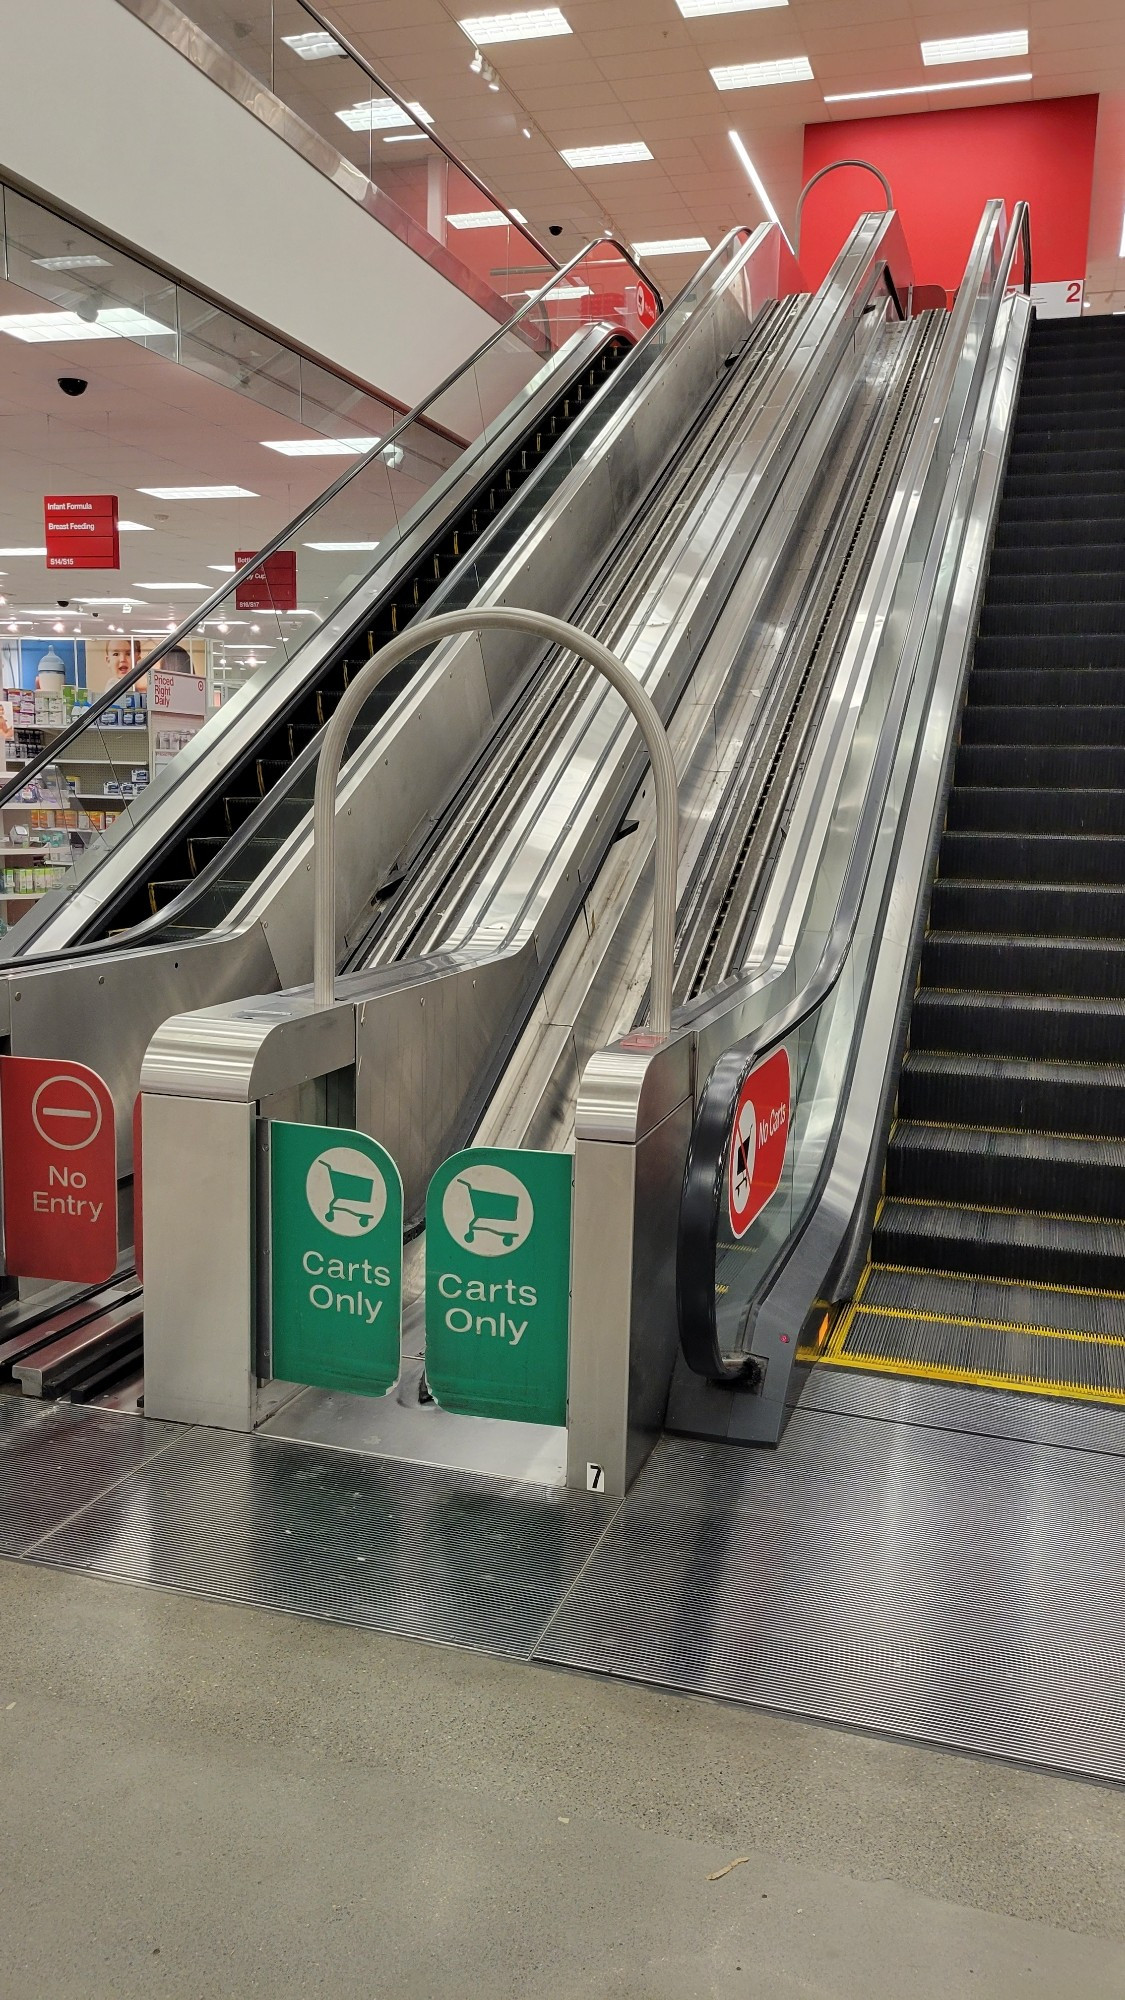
494 1214
346 1191
352 1194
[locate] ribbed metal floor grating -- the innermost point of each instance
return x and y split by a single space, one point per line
963 1590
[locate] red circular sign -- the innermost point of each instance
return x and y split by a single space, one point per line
759 1136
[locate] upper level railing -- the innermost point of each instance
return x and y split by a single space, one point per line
300 75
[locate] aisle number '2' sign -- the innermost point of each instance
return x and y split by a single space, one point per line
60 1171
759 1136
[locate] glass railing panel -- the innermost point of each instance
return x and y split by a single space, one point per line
239 644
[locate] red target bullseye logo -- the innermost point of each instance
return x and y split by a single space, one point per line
759 1136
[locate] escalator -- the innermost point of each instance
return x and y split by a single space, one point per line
998 1253
235 827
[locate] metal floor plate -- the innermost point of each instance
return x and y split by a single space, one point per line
451 1556
963 1590
56 1459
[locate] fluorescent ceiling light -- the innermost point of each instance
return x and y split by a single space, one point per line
321 447
518 217
23 552
671 246
168 586
378 114
106 600
693 10
605 156
112 323
478 218
198 492
752 76
975 48
405 138
72 263
134 528
314 46
224 569
331 547
566 292
931 89
528 26
757 183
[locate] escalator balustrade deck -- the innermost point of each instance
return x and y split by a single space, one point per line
998 1252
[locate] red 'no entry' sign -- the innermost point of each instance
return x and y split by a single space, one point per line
60 1170
759 1135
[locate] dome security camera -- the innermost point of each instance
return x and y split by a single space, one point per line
73 385
63 603
554 229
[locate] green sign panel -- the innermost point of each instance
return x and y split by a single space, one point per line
336 1237
498 1284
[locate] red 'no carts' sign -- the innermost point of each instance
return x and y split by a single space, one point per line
60 1171
759 1135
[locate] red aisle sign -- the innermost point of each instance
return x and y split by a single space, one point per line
759 1135
81 531
59 1171
270 587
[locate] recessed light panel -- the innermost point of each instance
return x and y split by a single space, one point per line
112 323
671 246
321 447
23 552
134 528
378 114
754 76
198 492
314 46
478 218
605 156
72 263
975 48
931 89
168 586
332 547
694 9
531 25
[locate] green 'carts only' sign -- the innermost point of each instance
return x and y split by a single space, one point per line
498 1284
336 1242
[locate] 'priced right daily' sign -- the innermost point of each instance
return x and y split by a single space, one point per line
498 1284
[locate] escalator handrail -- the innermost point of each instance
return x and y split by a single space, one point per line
221 594
706 1163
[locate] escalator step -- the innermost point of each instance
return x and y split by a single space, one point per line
204 848
1082 1098
988 1355
1031 723
1016 808
1014 1170
1079 486
163 892
1021 651
1042 909
1088 457
1075 618
1052 587
994 963
1072 566
1034 857
1103 529
1005 687
1053 1308
987 1243
268 770
1034 1026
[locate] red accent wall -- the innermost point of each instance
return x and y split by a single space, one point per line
943 166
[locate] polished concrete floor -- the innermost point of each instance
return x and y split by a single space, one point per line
204 1799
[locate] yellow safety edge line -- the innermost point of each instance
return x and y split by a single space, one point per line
1015 1131
976 1278
989 1325
979 1208
931 1372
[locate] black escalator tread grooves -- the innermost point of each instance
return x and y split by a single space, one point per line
1069 620
1021 651
1034 857
998 1243
1044 1027
1079 722
1046 1172
1013 1094
1053 586
1069 909
199 843
1070 766
989 1356
1022 808
1052 1307
992 962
